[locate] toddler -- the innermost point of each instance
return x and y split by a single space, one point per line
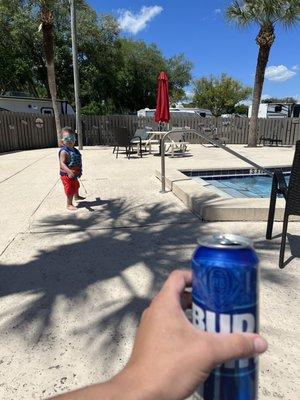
70 167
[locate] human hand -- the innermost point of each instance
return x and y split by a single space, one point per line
71 174
171 357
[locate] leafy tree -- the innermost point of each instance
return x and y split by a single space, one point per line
47 21
220 95
117 75
178 69
135 82
18 58
137 77
280 100
100 61
266 14
241 109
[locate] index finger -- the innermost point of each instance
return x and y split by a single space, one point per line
177 282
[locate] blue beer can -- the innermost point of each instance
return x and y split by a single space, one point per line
225 300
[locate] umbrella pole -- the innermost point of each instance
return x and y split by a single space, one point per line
163 163
163 178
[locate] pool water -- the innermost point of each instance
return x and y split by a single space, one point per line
242 186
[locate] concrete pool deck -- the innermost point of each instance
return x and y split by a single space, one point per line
73 286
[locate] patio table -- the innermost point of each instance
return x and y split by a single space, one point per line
171 143
155 134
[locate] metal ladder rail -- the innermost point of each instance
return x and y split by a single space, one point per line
207 138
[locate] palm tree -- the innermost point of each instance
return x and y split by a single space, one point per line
266 14
47 21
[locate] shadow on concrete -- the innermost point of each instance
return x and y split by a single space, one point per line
90 204
294 242
292 246
277 276
180 155
159 240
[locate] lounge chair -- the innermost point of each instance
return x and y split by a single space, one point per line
270 140
141 137
122 139
291 194
211 132
177 141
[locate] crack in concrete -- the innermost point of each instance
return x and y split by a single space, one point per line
35 232
27 166
8 244
40 204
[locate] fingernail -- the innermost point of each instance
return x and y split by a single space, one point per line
260 345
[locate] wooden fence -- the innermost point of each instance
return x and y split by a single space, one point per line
31 131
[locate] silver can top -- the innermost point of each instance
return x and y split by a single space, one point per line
226 240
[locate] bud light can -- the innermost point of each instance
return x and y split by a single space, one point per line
225 300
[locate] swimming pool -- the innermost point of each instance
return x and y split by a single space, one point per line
237 183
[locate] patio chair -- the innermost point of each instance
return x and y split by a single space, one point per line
291 194
177 141
211 132
122 139
141 137
270 140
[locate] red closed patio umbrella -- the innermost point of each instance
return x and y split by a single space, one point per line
162 112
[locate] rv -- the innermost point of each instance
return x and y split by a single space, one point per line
20 102
277 110
180 112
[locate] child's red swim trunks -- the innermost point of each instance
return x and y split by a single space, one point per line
71 185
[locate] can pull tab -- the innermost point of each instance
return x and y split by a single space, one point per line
224 240
232 240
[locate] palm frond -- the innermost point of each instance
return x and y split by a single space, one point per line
264 12
239 14
290 14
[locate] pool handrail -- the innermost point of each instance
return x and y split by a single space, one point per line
210 140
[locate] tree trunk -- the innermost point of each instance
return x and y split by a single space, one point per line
262 60
265 40
47 29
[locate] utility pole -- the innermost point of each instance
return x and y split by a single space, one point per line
75 73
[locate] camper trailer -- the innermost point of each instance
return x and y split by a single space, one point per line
181 112
277 110
20 102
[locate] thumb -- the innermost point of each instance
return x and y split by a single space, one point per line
236 345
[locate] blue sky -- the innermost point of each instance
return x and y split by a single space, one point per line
198 29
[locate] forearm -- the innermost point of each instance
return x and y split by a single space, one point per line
127 385
170 357
65 168
101 391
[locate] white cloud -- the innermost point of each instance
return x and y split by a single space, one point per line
189 95
245 103
248 102
279 73
266 96
296 67
217 10
134 23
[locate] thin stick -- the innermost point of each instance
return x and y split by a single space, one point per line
81 183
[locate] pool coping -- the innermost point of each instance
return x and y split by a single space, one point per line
211 205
